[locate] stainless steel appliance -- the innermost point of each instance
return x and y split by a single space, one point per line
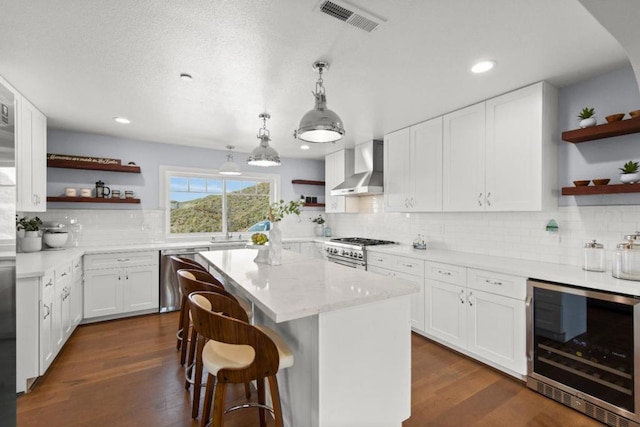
170 297
351 251
368 172
583 350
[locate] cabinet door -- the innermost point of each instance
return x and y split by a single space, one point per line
47 327
76 293
141 287
446 312
31 149
497 329
103 292
463 156
62 313
426 166
397 170
338 166
514 151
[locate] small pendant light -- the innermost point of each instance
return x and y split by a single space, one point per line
320 124
264 155
230 167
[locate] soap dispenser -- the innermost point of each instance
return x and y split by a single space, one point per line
419 242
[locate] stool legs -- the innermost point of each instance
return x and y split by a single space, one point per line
275 400
180 334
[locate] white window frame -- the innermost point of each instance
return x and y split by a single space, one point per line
165 201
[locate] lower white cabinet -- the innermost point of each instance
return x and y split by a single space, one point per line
76 292
411 270
119 284
479 313
50 328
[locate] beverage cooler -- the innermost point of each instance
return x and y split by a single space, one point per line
583 350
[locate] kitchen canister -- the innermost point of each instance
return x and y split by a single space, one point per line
626 258
70 192
593 257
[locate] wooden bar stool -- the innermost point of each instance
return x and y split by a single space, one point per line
179 263
236 352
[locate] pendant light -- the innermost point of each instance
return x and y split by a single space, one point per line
230 167
320 124
264 155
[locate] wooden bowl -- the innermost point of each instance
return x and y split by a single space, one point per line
601 181
614 118
634 114
582 183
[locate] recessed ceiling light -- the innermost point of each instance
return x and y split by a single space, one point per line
483 66
304 147
186 77
122 120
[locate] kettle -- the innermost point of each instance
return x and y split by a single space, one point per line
102 190
626 259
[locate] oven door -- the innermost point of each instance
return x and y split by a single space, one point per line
347 262
585 343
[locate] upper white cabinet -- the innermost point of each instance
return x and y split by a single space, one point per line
339 166
499 155
413 168
31 157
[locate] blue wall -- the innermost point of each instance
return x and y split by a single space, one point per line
610 93
150 156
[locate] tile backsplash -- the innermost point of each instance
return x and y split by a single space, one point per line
519 235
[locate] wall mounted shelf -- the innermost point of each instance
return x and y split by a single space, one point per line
592 190
307 182
64 199
607 130
314 205
70 164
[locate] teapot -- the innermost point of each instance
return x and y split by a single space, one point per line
102 190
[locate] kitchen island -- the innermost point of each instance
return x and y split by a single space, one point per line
349 331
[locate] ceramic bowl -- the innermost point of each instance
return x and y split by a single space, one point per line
634 114
55 239
582 183
601 181
614 118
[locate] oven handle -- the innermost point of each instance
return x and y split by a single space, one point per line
345 263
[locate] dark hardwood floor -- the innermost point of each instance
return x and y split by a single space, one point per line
127 373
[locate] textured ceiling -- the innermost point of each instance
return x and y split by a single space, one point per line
84 62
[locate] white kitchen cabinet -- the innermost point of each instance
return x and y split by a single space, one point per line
338 167
413 168
76 292
62 306
49 322
31 157
411 270
120 284
500 155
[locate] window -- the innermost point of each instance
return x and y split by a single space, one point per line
201 202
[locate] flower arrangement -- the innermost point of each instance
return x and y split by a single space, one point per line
318 220
278 210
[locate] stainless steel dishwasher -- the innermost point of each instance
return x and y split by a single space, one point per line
169 291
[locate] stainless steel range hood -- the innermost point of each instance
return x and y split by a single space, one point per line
367 179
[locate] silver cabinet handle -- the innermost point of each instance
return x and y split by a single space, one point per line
49 283
63 274
480 199
493 282
469 299
48 313
123 259
404 264
380 259
446 273
488 199
461 295
527 303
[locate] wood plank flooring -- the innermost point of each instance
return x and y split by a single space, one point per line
127 373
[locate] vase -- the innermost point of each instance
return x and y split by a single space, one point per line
319 230
263 255
587 123
630 178
275 244
31 244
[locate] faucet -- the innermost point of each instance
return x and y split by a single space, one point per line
227 235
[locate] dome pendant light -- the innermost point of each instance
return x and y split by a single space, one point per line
320 124
264 155
230 167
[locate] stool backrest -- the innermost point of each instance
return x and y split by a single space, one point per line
189 284
180 263
222 323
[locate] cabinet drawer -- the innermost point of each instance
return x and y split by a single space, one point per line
48 281
496 283
446 273
401 264
63 271
120 259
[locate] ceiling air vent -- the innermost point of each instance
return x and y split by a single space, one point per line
350 14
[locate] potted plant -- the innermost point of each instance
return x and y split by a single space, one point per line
319 228
587 117
630 172
277 211
31 226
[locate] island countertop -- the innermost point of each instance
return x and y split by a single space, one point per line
302 286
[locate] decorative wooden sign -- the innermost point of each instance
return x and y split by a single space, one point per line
87 159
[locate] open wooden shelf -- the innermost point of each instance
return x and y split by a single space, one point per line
70 164
307 182
592 190
90 200
607 130
315 205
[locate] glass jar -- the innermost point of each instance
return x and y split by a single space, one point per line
593 257
626 258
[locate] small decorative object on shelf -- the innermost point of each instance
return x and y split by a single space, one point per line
319 228
630 172
552 226
587 118
601 181
614 117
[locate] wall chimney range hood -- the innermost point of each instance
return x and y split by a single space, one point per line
367 179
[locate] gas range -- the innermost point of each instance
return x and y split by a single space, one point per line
351 251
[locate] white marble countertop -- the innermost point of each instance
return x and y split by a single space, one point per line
302 286
35 264
565 274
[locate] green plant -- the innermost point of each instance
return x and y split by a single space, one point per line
630 167
278 210
28 224
318 220
586 113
